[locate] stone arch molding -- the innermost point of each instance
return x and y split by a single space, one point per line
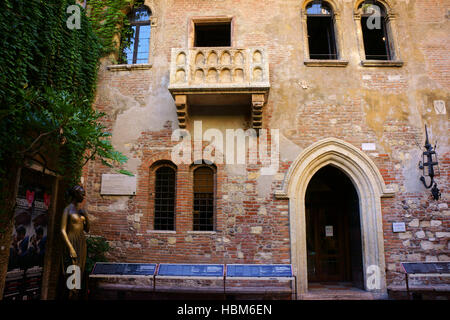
370 187
333 3
334 6
386 3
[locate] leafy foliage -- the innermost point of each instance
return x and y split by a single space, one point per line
112 25
48 76
96 248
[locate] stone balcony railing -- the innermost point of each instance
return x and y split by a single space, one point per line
223 71
219 69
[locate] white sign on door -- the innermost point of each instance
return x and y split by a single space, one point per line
328 231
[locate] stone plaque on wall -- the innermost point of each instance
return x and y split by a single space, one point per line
439 107
118 185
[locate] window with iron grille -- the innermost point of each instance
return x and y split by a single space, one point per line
204 199
321 33
139 48
165 198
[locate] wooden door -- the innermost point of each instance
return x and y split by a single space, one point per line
327 243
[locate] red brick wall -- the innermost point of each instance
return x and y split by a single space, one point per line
385 106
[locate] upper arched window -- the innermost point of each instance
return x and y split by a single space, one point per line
375 31
139 47
318 9
321 31
204 198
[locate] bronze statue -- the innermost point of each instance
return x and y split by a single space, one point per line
73 225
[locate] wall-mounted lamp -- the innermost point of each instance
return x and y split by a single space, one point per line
429 161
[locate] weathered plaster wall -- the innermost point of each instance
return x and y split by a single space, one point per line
387 106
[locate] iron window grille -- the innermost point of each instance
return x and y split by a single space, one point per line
204 199
164 198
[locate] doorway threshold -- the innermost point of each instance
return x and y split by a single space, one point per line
335 291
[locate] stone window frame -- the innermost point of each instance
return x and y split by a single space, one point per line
152 46
391 26
340 61
194 166
211 20
154 167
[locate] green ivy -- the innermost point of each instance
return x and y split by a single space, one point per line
96 248
112 25
48 76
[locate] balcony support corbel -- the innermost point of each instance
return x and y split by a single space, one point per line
182 110
258 101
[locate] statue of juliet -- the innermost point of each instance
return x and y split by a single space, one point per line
74 224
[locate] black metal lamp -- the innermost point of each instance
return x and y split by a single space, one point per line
429 161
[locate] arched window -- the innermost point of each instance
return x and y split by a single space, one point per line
321 31
375 31
204 195
139 48
165 198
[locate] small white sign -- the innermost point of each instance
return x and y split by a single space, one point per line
118 185
369 147
394 78
398 227
328 231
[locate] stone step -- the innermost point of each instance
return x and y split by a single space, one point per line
337 295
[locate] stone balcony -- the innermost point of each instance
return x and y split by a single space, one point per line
219 76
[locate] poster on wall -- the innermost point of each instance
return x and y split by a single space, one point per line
27 250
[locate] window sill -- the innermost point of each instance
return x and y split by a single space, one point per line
201 232
326 63
162 231
381 63
129 67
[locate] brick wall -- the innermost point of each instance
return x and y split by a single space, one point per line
385 106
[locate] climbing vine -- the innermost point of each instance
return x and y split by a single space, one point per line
112 26
48 75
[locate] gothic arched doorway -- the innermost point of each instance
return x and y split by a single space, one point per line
333 228
370 186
